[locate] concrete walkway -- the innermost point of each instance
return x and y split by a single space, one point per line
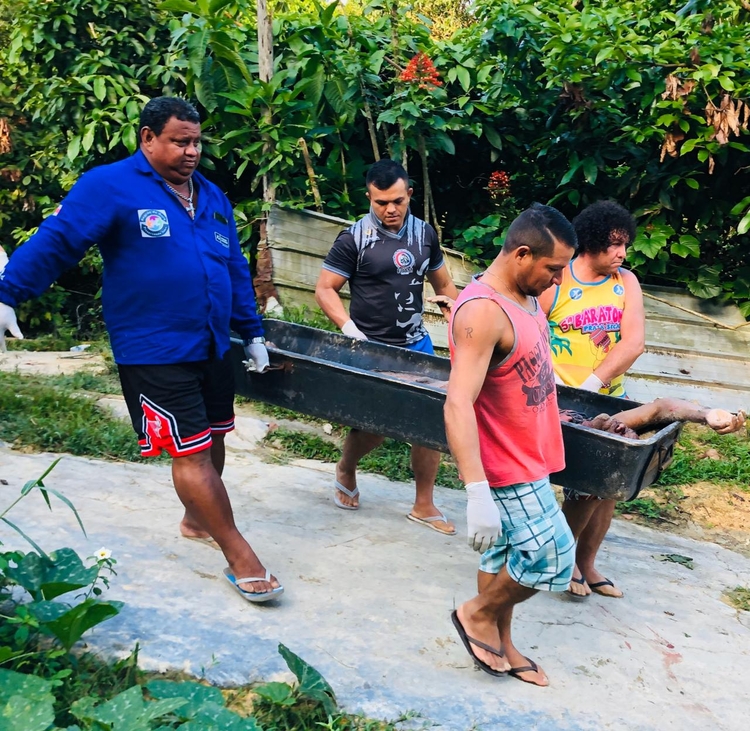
368 597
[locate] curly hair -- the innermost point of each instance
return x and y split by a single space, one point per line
596 223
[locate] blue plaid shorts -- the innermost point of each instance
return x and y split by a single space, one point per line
536 545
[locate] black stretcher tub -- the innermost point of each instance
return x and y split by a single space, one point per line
400 394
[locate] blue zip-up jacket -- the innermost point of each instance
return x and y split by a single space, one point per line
172 286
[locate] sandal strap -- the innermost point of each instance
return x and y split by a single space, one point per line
435 518
250 579
350 493
481 644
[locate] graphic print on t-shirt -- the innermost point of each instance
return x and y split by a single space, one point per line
535 371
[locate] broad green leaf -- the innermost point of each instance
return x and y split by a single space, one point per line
88 137
26 702
704 289
74 147
741 206
128 711
445 142
603 55
590 170
69 627
311 683
129 138
464 77
100 88
279 694
196 45
686 246
215 6
492 136
215 718
195 695
179 6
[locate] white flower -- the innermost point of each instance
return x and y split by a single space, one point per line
103 554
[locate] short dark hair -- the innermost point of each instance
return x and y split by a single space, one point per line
538 227
384 173
160 110
596 223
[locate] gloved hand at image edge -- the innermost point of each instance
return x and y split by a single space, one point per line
8 322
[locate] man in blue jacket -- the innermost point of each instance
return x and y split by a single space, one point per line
175 282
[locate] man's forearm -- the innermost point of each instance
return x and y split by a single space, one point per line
618 360
331 304
463 440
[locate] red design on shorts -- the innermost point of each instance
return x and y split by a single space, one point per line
161 433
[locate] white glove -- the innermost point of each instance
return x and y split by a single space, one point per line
482 516
257 357
351 330
8 322
592 383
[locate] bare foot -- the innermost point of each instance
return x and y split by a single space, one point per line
253 567
598 583
349 481
724 422
484 630
578 585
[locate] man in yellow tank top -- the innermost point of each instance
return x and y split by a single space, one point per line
597 331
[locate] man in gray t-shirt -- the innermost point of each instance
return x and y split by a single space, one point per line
385 257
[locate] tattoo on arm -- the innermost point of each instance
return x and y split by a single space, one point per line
469 331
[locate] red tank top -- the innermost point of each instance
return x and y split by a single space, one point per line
520 438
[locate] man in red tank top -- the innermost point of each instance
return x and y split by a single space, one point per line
504 431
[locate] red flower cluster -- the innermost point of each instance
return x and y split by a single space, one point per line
420 70
499 185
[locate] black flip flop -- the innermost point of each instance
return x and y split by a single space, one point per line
580 581
469 641
606 582
531 667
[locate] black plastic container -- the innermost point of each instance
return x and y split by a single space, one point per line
400 394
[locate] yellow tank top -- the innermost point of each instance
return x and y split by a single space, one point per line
584 324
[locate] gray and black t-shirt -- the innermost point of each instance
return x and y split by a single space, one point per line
386 273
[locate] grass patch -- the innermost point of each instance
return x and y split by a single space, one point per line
40 414
304 315
739 598
391 459
688 465
662 501
56 342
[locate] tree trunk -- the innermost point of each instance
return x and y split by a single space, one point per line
265 291
311 174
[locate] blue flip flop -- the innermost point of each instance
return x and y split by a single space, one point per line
253 596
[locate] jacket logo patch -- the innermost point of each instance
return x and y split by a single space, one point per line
223 240
153 222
